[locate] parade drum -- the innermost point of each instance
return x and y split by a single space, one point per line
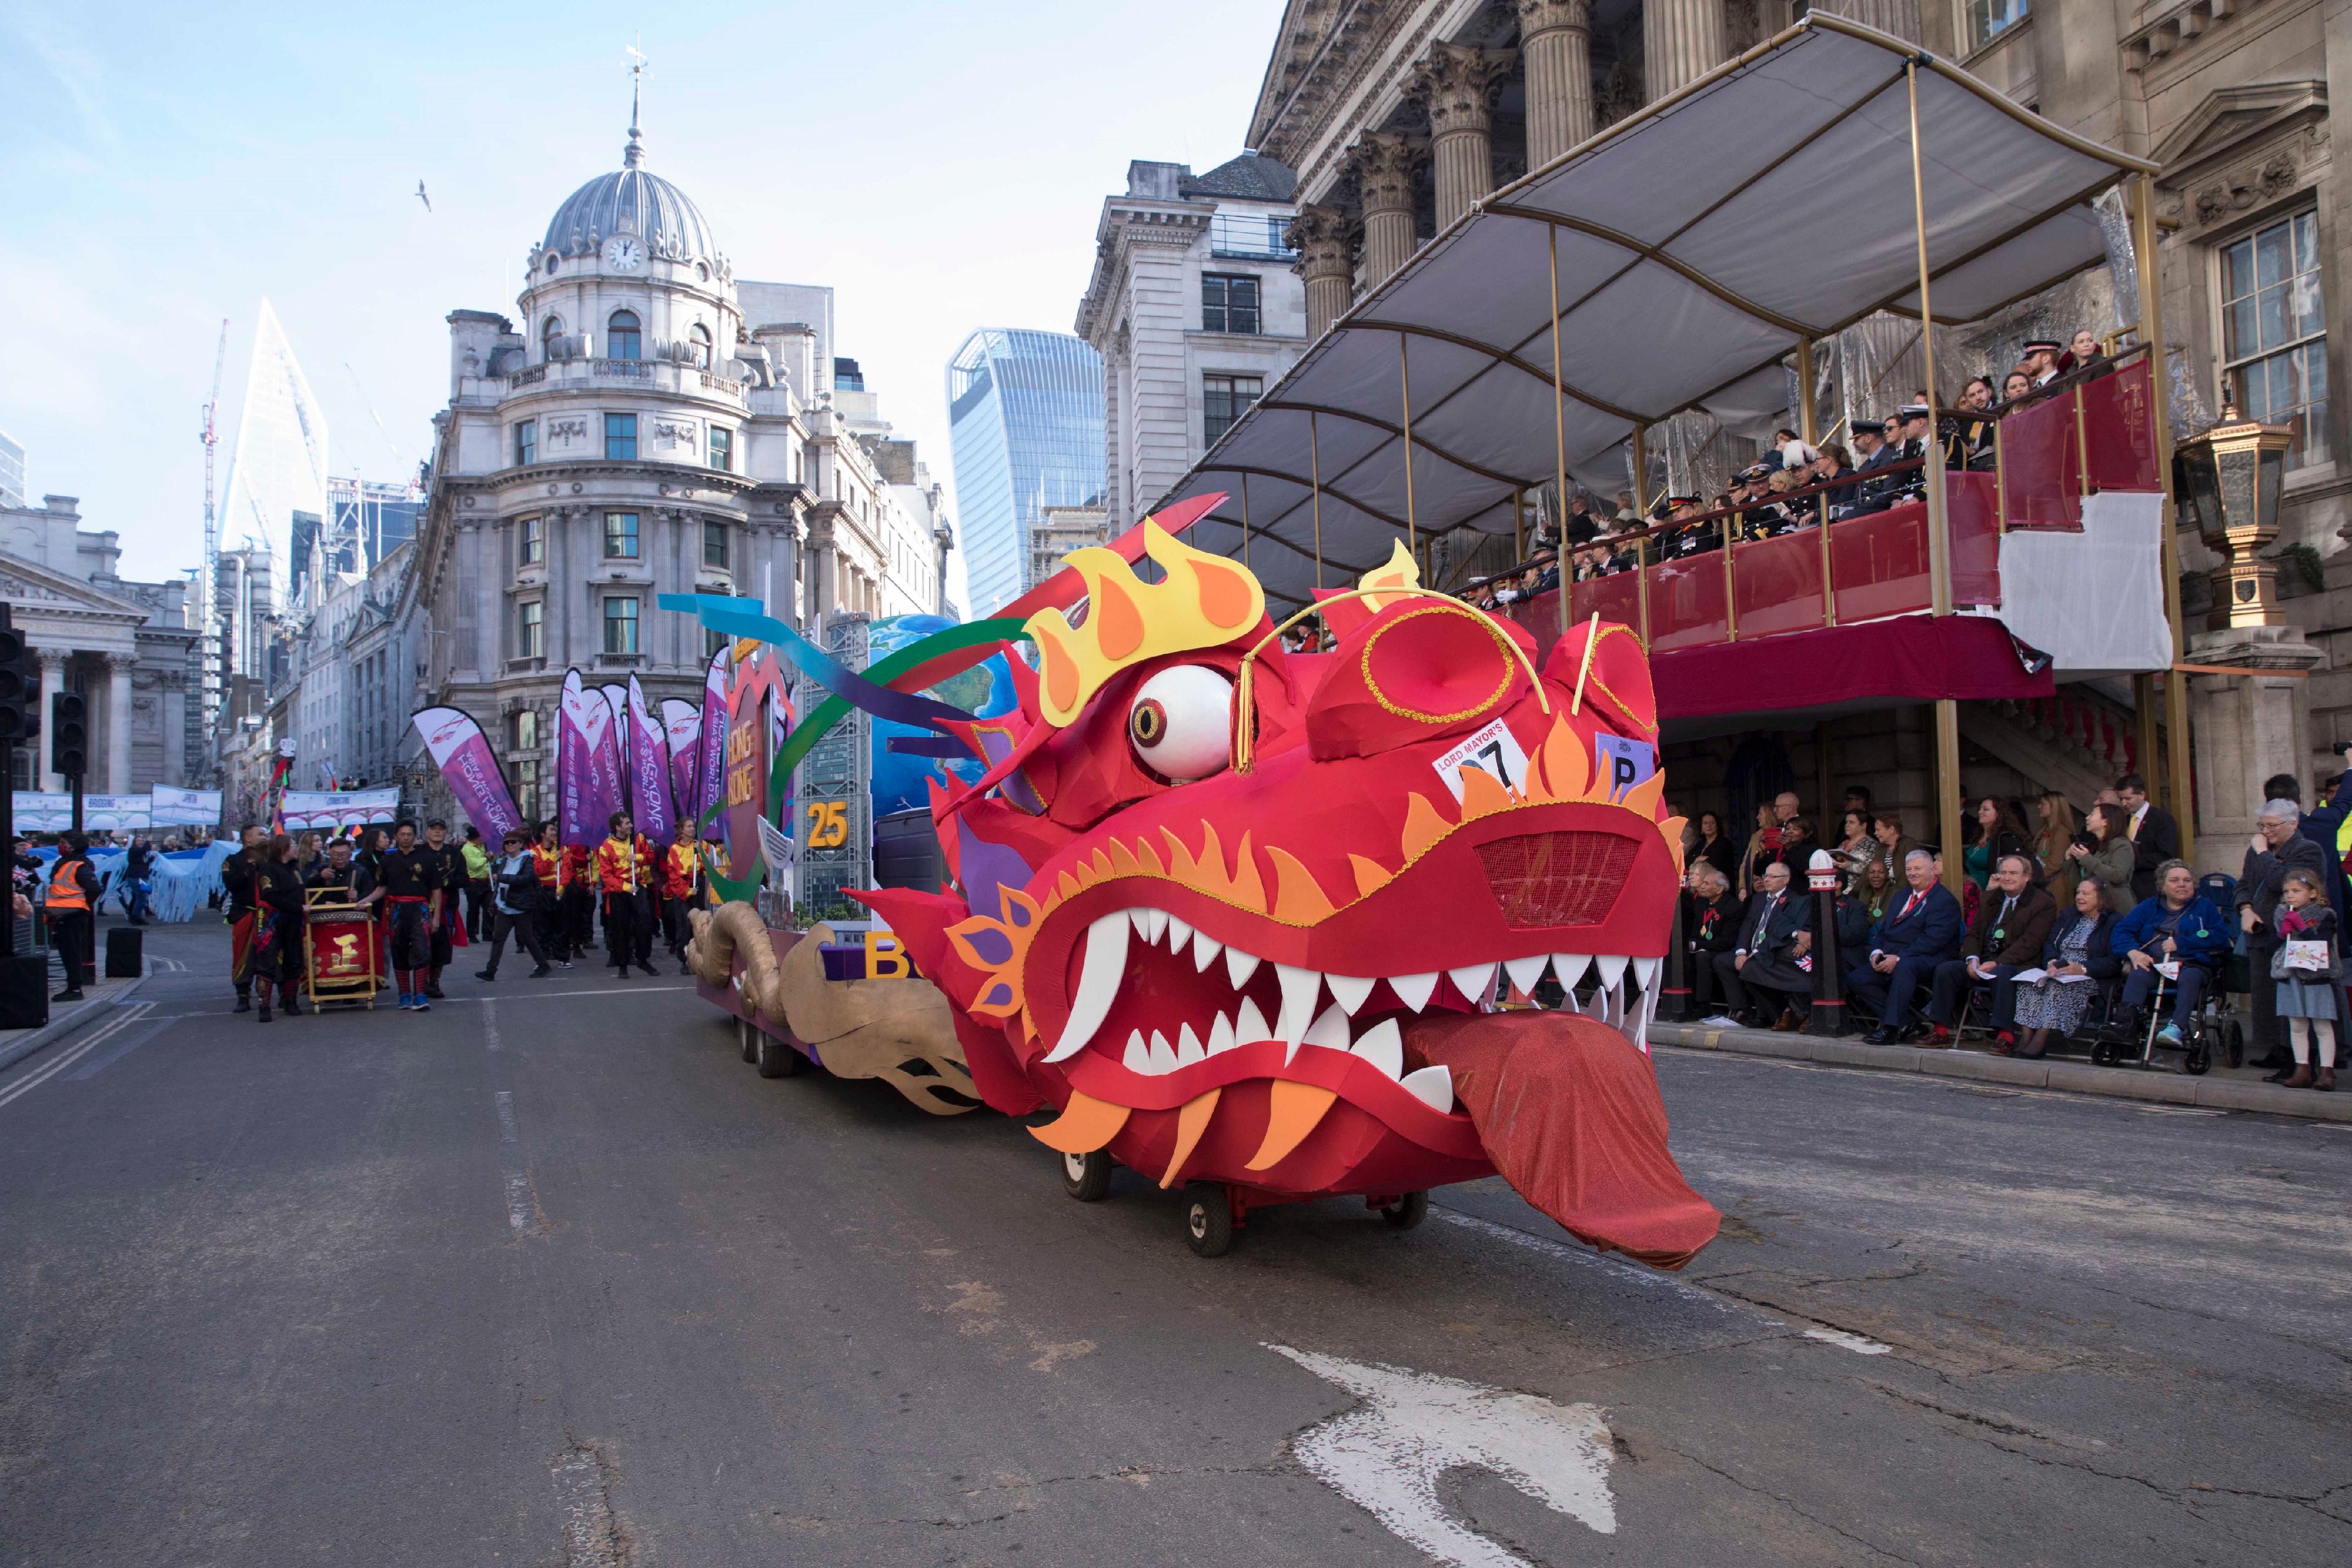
341 951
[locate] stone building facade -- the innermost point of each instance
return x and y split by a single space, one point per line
128 647
1195 310
639 433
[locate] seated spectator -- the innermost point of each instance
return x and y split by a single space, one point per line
2175 925
1855 847
1969 440
1921 930
1689 536
1763 963
1711 922
2082 353
1894 848
1868 901
2011 923
2080 945
1798 844
1581 525
1835 468
1794 453
2041 366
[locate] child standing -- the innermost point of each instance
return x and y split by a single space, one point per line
2306 968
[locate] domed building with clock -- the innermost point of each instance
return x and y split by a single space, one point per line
649 424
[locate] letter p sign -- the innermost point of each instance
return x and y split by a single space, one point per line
1622 763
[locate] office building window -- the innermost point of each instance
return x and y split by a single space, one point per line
722 449
714 543
620 536
1986 20
621 626
621 338
1225 399
2274 337
621 437
1228 304
527 443
524 762
530 630
530 542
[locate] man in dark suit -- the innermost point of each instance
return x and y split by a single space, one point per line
1880 443
1919 930
1775 936
2154 836
2013 921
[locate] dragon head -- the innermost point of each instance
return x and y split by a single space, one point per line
1241 912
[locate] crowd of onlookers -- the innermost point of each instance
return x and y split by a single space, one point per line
1796 485
2056 910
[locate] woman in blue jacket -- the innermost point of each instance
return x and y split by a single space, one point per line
2177 923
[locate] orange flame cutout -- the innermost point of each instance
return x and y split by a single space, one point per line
1206 601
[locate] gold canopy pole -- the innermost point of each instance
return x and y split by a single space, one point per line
1939 545
2177 771
1315 471
1559 439
1404 382
1808 428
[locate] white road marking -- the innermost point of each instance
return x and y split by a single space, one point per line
1852 1341
517 1181
1386 1454
124 1044
97 1037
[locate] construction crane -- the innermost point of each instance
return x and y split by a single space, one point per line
211 586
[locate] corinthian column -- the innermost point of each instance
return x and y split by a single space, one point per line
1325 261
1459 84
1556 40
1682 40
1384 170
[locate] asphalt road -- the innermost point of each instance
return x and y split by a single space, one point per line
548 1277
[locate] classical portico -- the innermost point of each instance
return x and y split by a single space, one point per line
126 658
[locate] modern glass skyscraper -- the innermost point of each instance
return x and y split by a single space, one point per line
279 467
1025 418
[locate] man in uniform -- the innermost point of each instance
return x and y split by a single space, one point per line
2041 359
237 881
682 865
619 867
414 891
448 919
342 871
550 863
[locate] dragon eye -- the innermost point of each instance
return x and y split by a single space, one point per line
1180 722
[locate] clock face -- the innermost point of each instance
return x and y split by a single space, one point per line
624 254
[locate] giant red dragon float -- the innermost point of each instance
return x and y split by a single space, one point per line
1241 915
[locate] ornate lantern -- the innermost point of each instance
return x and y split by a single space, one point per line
2228 481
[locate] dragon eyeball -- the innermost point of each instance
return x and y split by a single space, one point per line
1180 722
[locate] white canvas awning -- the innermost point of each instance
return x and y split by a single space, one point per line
1694 246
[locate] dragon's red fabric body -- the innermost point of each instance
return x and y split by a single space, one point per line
1246 928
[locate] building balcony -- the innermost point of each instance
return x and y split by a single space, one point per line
644 375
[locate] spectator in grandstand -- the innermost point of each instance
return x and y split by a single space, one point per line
2276 850
1581 525
2175 925
1794 453
2079 949
1715 846
1894 849
2005 939
1763 849
1856 848
2154 836
1711 924
2059 826
2082 353
2103 851
1999 833
2017 385
2041 365
1776 933
1834 466
1922 929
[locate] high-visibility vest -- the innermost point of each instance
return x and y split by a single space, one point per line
64 887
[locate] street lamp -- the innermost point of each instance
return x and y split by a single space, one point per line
2228 480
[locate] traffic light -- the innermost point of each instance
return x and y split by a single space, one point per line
68 733
20 719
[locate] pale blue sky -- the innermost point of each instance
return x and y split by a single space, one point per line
942 166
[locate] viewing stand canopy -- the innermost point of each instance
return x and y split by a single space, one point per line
1676 261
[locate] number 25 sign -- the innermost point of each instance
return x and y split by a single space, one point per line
828 825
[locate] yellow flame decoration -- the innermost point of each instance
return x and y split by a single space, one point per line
1204 600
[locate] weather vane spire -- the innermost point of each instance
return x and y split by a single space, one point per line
633 155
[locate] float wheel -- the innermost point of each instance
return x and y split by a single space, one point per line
773 1058
1086 1178
1407 1211
1208 1219
747 1041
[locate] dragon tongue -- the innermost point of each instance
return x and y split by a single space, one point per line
1570 1114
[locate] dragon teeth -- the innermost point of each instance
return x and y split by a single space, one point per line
1189 1049
1384 1046
1351 989
1300 987
1206 949
1221 1036
1098 977
1525 972
1611 967
1413 990
1569 968
1239 966
1433 1086
1249 1024
1329 1031
1179 934
1474 981
1163 1055
1139 1055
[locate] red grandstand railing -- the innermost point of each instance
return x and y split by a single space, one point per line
2095 433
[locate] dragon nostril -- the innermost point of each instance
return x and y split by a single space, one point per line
1557 879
